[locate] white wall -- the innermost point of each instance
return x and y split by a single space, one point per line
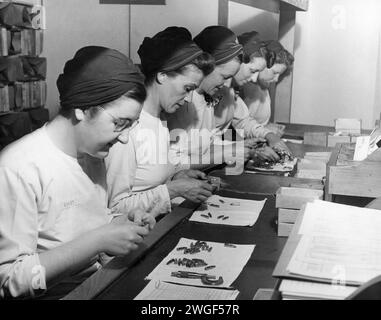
336 64
72 24
148 20
243 18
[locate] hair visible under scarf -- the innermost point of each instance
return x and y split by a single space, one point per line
251 43
220 42
95 76
276 53
167 51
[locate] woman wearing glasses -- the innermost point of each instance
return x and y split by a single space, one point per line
142 174
55 228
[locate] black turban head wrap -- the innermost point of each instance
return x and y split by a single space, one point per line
220 42
169 50
251 42
95 76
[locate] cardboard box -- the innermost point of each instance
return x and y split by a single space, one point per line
287 215
348 126
333 140
295 198
284 229
315 138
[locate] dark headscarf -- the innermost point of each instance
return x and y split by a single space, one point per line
251 42
220 42
95 76
168 50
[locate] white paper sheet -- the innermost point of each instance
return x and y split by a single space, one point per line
291 288
159 290
341 260
328 219
338 242
228 261
239 212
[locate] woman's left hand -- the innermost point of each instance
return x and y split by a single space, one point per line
142 218
190 174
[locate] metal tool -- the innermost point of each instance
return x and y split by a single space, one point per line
206 279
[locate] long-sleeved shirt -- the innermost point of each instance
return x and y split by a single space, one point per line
232 110
47 198
201 125
137 171
258 102
192 130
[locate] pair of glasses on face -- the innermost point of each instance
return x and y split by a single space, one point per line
121 124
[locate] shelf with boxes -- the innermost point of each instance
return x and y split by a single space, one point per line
346 131
22 70
289 201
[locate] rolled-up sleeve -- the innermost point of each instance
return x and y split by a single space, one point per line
21 274
242 121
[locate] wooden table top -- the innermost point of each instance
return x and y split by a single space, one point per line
123 278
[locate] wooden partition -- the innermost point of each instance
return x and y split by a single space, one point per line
286 9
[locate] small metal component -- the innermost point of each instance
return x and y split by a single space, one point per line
205 278
210 215
214 205
220 217
235 204
225 218
220 200
229 245
181 248
215 182
170 261
209 268
205 216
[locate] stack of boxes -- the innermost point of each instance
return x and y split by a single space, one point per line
346 131
289 201
22 71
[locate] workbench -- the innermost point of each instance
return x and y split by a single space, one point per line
123 277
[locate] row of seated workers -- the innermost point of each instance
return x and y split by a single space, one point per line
128 142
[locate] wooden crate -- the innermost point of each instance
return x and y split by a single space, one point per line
295 198
353 178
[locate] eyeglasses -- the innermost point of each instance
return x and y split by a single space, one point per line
121 124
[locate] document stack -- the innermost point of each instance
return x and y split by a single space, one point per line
332 250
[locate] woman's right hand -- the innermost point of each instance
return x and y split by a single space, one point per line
264 154
191 189
121 236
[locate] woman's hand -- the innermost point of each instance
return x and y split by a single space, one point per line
276 143
190 174
191 189
120 236
264 154
141 218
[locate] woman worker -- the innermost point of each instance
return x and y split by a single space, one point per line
213 107
256 95
174 66
54 221
232 111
